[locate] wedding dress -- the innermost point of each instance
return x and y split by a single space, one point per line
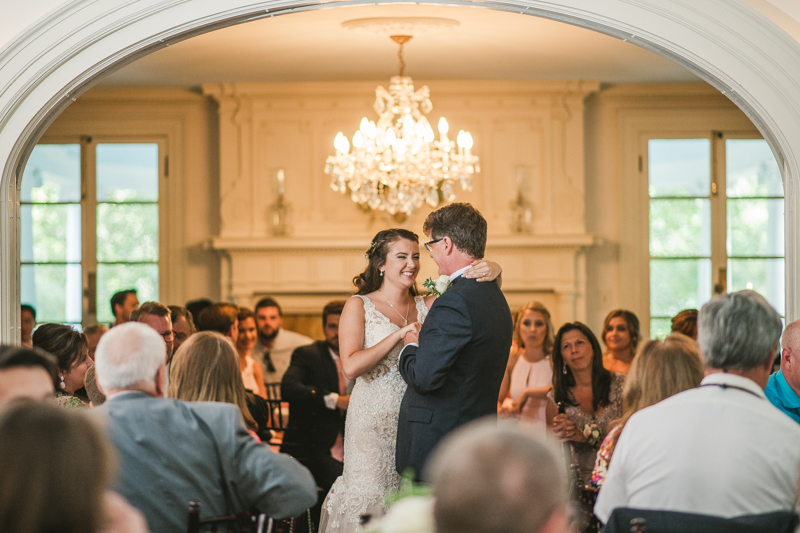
370 433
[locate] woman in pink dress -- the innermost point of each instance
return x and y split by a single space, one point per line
252 376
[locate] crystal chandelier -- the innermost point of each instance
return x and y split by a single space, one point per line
396 164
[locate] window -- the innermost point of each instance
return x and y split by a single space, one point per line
90 227
715 223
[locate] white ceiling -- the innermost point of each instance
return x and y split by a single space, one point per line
312 46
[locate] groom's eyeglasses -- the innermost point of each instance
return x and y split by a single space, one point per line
428 244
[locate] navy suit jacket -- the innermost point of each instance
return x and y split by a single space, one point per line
454 375
171 452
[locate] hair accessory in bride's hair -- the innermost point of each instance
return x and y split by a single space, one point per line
369 252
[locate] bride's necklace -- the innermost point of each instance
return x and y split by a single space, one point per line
405 320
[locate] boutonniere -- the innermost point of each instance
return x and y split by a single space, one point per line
436 287
592 434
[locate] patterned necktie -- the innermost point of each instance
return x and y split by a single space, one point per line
342 383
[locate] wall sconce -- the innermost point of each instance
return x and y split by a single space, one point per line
521 212
280 210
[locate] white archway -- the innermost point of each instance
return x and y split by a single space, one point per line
728 44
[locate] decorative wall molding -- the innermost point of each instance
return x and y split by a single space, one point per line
531 127
727 43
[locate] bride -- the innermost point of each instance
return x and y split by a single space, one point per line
371 330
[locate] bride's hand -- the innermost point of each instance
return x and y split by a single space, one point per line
483 270
409 332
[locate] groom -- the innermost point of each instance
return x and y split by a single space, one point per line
455 364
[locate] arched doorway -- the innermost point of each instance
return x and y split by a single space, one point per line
732 47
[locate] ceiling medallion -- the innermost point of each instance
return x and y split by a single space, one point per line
396 165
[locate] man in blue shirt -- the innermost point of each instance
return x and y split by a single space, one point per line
783 388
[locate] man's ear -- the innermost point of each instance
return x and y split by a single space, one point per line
161 381
787 357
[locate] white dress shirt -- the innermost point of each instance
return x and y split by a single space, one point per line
710 450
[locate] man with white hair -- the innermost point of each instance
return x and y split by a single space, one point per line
171 451
720 449
783 389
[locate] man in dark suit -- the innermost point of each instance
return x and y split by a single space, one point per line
171 451
318 395
455 364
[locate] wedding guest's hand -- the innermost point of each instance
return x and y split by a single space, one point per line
516 406
564 428
343 402
483 270
120 516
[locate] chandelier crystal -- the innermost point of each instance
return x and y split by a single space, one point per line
397 164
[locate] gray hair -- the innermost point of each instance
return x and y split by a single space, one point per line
129 354
491 477
738 331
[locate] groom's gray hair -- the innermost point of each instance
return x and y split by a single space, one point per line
492 477
464 224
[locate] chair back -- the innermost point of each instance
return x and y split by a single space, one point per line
626 520
273 391
246 522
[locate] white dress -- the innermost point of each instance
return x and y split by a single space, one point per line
370 433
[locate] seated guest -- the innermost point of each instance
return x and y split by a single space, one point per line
47 488
182 325
620 336
661 369
26 373
195 307
275 345
27 323
720 449
685 322
122 305
157 316
490 477
252 375
590 395
222 317
172 451
72 353
783 388
96 398
93 334
206 369
529 372
318 394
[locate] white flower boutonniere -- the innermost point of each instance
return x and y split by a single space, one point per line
436 287
592 434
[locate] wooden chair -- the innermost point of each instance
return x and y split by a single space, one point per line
246 522
273 391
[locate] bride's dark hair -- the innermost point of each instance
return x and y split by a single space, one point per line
370 280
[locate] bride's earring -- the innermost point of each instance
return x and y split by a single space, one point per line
381 273
62 384
564 371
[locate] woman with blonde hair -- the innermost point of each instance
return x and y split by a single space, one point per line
529 373
206 369
660 370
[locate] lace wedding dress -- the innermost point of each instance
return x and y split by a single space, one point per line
370 433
